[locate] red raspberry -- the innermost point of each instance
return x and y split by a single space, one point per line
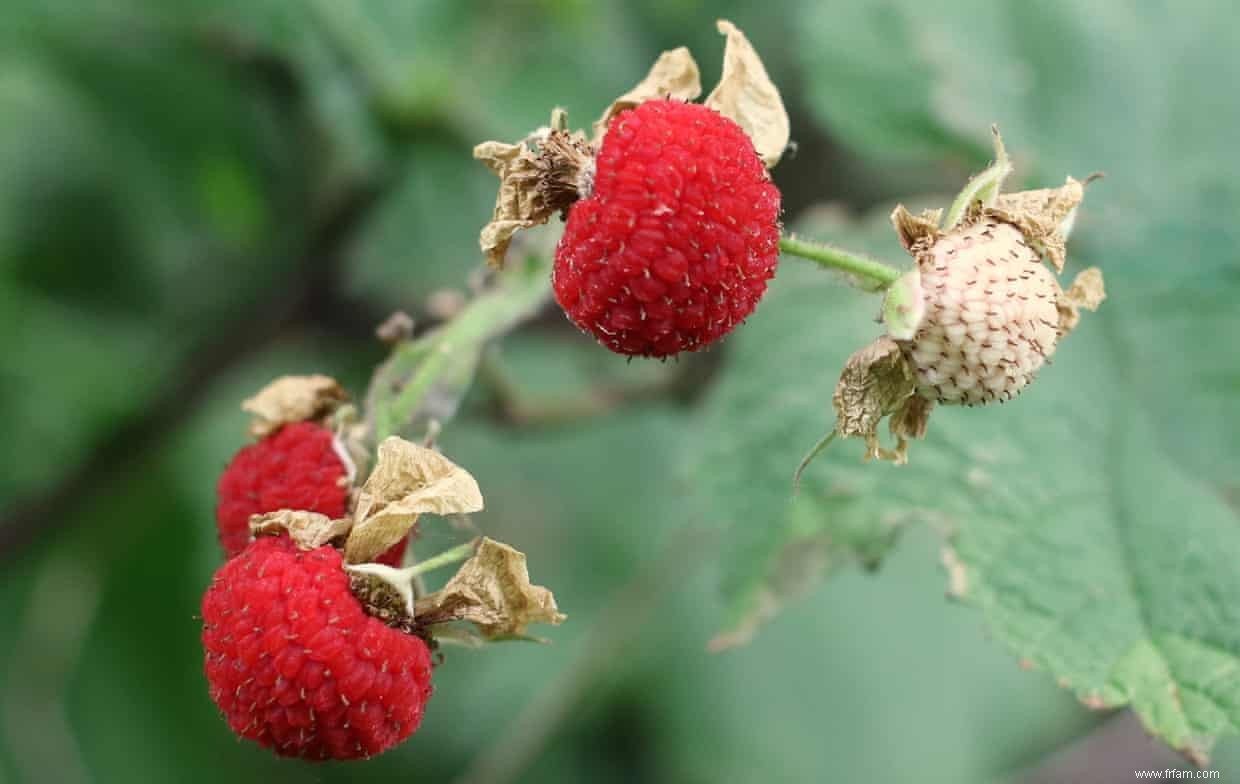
675 244
294 468
296 664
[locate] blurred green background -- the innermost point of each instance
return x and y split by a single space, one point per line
197 197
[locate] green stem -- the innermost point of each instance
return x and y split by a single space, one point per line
873 275
451 556
444 360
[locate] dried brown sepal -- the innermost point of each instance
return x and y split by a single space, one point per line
566 164
674 75
310 530
916 232
292 399
876 382
1044 216
517 205
1087 291
746 94
492 590
910 420
408 480
539 176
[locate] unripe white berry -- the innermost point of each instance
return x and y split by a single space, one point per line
974 319
991 318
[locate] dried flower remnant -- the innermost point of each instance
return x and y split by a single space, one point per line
747 95
492 591
292 399
1045 216
876 382
674 75
310 530
539 176
408 481
1087 292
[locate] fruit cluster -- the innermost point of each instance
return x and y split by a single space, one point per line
293 659
314 645
318 646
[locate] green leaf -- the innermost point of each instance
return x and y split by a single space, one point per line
1090 550
129 236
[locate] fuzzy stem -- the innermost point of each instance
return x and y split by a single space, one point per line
450 556
447 356
873 275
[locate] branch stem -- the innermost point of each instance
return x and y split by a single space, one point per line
447 357
871 274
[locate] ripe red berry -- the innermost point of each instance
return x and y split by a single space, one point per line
297 467
295 663
294 468
675 243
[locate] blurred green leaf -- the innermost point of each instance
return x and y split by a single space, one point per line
807 700
128 235
869 80
1074 88
424 236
